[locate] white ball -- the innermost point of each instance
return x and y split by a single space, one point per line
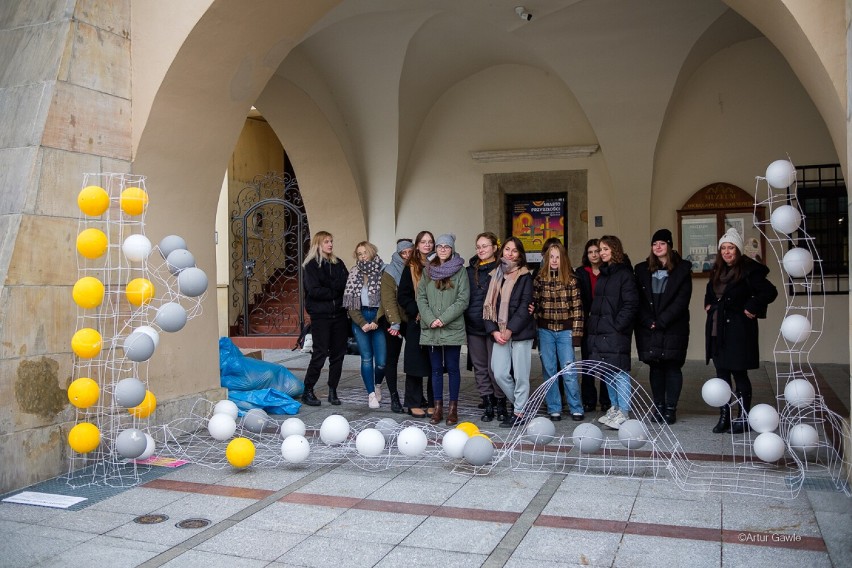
295 448
192 282
228 407
781 174
411 441
150 447
786 219
453 443
716 392
632 434
798 262
136 248
799 393
387 426
796 328
171 317
221 426
179 259
588 438
763 418
293 427
540 430
370 442
769 447
255 420
803 438
131 443
150 332
334 430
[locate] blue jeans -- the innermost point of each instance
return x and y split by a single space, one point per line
374 351
620 388
445 357
556 349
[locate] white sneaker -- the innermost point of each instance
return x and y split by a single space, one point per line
608 416
372 401
378 393
616 421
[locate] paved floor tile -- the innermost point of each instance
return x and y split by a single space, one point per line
323 552
769 515
345 484
251 542
737 555
196 558
416 490
676 512
587 548
371 526
28 550
637 551
478 495
293 517
272 479
100 553
597 505
90 520
414 556
137 501
477 537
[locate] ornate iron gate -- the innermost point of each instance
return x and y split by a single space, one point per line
270 236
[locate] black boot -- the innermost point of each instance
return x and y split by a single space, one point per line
724 423
488 405
332 396
670 414
396 407
500 409
309 398
658 413
740 425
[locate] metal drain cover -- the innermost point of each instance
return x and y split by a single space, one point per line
193 524
150 519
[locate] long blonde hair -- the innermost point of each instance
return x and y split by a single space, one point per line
315 252
564 274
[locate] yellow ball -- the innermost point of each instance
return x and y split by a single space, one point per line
146 408
139 291
133 200
240 452
481 435
88 292
86 343
83 392
93 200
92 243
84 437
468 428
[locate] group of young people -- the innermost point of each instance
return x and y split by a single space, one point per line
428 301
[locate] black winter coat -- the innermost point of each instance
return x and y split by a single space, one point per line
584 283
669 339
611 316
324 284
737 334
521 321
479 278
416 358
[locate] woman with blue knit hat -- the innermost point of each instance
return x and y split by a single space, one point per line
395 317
442 298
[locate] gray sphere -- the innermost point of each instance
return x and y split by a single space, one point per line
138 346
478 450
171 243
192 282
171 317
540 430
633 434
255 419
129 392
387 426
179 259
131 443
588 438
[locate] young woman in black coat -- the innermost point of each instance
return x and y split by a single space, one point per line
662 329
610 326
738 293
587 278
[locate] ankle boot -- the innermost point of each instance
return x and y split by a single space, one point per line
453 413
658 412
438 413
670 414
309 398
396 407
488 405
500 409
740 425
332 396
724 423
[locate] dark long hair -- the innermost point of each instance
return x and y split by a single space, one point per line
415 261
672 260
590 242
522 258
736 268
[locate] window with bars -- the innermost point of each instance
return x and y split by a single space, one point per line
821 192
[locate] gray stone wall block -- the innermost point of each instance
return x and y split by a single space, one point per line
100 60
21 13
23 111
60 180
16 167
31 54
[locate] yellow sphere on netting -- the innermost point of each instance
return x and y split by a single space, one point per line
468 428
86 343
83 392
146 408
133 200
139 291
84 437
481 435
92 243
240 452
88 292
93 200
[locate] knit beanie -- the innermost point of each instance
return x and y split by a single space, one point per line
733 237
404 245
446 239
663 235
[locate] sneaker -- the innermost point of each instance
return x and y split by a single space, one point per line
372 401
378 392
617 420
578 417
610 414
555 416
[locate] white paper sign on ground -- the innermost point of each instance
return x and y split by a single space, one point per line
44 499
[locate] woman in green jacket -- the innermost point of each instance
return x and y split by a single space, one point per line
442 297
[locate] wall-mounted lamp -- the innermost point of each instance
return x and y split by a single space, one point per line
523 14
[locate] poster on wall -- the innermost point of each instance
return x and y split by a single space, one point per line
699 241
536 218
